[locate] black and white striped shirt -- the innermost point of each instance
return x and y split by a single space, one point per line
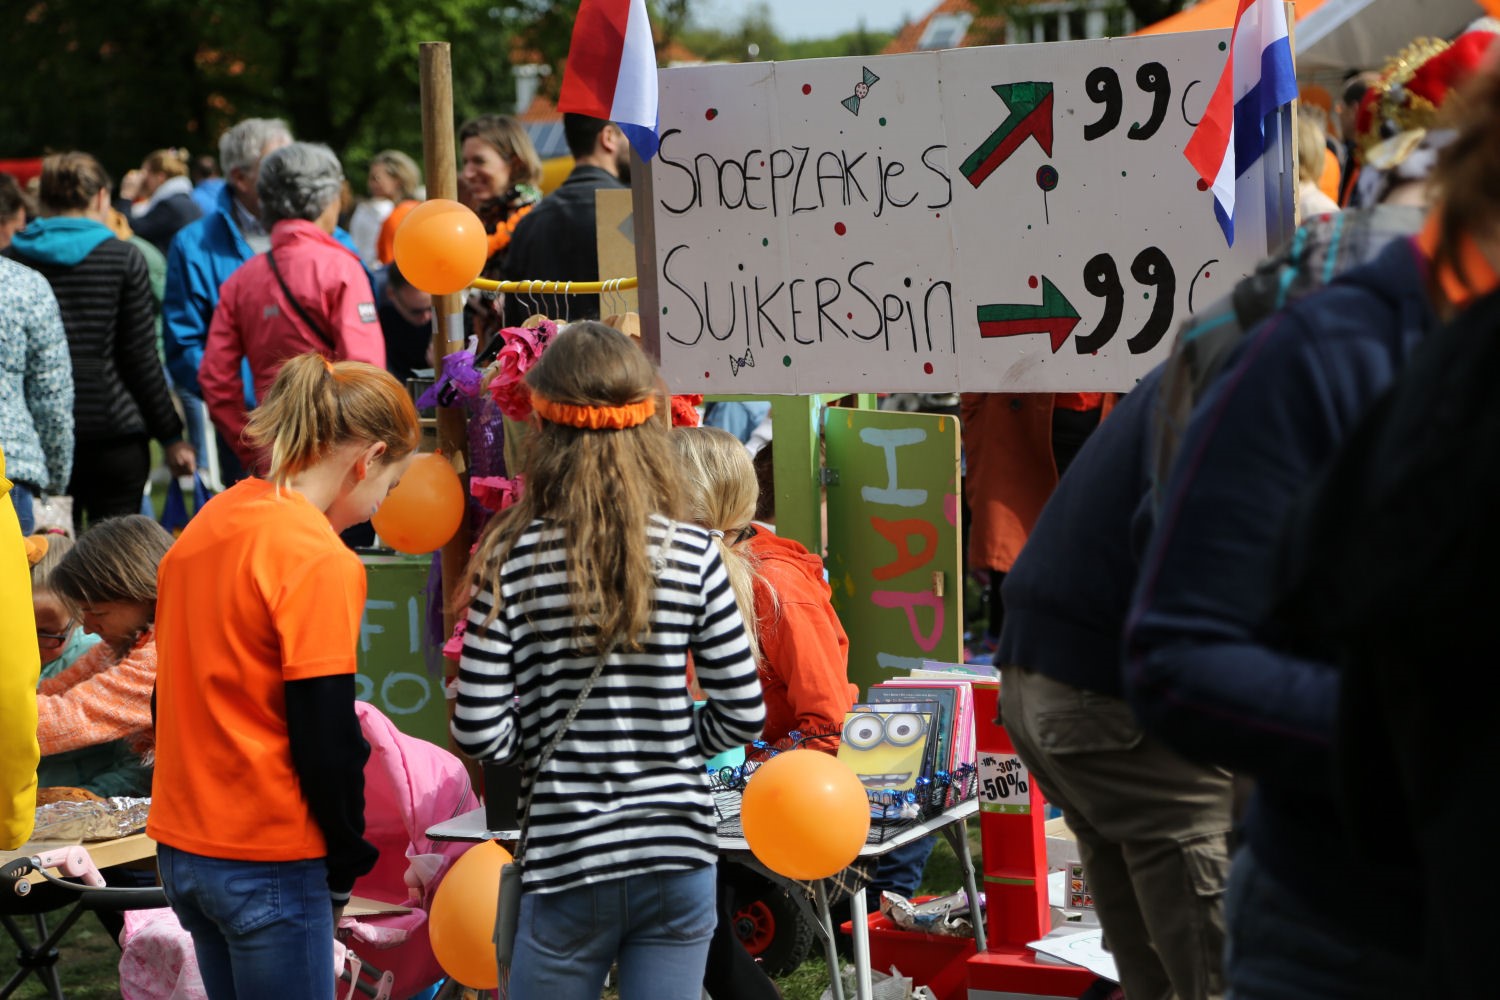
625 793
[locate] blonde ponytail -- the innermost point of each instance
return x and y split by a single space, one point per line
315 405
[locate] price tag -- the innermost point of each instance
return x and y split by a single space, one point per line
1004 784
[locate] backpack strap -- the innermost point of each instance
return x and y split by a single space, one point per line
308 321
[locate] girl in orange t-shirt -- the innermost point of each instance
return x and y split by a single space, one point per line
258 799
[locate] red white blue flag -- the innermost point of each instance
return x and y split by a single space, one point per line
1257 80
611 71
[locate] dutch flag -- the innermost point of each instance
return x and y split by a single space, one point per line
611 70
1257 80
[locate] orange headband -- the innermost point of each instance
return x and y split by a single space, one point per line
597 418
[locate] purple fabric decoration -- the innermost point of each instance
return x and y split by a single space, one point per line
460 379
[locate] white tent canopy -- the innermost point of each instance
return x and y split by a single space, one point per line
1362 34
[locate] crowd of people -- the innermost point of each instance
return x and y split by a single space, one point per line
1211 599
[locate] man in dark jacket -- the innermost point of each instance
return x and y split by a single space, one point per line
556 241
1304 921
1151 825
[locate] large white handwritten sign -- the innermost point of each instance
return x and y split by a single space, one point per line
1015 217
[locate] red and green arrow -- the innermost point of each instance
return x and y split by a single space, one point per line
1030 107
1055 317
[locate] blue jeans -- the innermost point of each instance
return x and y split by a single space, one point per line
261 929
1280 947
656 926
20 496
899 871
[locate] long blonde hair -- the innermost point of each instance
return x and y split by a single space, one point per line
601 487
315 405
721 495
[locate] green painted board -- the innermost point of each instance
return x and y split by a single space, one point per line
400 670
894 559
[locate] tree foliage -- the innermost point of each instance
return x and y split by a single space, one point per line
122 79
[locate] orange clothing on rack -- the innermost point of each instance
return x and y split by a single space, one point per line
288 596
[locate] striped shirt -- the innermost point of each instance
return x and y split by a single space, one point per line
625 793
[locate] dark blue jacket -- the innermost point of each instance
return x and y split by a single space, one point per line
1067 595
1200 672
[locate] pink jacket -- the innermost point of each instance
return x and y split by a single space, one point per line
254 322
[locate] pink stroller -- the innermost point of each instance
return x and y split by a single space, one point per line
410 784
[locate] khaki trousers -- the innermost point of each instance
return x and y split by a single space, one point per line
1152 831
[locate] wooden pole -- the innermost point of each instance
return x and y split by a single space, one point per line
447 312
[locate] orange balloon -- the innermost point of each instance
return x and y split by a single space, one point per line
441 246
425 508
805 814
461 921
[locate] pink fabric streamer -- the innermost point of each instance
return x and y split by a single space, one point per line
495 492
523 346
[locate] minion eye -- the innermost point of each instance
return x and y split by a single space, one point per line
864 731
903 729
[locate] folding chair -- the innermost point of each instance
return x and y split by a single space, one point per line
40 958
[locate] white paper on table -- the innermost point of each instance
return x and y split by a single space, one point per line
1082 948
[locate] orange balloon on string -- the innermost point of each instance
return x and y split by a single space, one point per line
461 921
440 246
424 510
805 814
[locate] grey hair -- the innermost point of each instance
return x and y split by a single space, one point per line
298 182
240 147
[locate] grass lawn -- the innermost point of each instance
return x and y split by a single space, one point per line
88 962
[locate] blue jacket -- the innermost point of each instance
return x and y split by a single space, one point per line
203 255
1068 593
1200 672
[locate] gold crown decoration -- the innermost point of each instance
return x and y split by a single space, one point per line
1392 101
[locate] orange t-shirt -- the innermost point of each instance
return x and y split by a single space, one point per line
258 591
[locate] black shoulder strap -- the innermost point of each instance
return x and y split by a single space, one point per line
315 327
